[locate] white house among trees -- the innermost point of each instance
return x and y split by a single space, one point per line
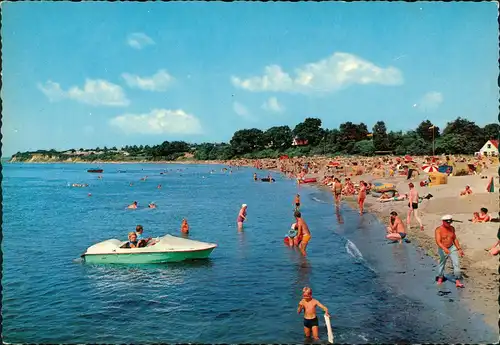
490 148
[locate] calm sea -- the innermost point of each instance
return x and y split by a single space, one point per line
247 292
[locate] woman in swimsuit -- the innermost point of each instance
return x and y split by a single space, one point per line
337 190
242 216
482 217
362 196
413 206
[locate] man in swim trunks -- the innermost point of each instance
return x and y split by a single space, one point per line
337 190
413 199
396 230
303 231
309 304
448 247
297 202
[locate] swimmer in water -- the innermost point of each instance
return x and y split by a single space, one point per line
133 205
152 205
159 186
308 305
297 202
303 231
254 176
184 226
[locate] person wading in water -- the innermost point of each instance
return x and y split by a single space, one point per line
303 231
242 216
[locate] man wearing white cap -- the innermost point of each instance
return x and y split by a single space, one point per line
448 247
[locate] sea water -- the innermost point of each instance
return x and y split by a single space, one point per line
247 291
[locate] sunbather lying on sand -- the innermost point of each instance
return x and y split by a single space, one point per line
467 191
495 250
386 197
482 216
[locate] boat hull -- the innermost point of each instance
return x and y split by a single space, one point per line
147 258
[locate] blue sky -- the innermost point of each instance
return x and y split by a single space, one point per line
110 74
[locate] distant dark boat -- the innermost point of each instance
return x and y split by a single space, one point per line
95 171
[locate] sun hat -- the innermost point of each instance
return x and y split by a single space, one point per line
447 217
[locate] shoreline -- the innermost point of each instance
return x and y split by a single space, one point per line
479 268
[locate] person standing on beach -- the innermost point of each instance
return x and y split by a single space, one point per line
308 305
413 198
337 190
396 230
362 196
303 232
448 247
242 216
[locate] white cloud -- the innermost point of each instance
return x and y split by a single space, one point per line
139 40
158 121
273 105
94 92
157 82
327 75
242 111
430 101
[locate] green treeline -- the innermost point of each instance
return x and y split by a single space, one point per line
460 136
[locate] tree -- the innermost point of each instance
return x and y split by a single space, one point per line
394 139
451 144
380 140
473 134
309 130
247 140
279 138
424 130
491 131
364 147
330 141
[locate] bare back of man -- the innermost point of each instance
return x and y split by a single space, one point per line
303 230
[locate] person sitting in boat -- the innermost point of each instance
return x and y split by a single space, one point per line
132 241
141 238
184 226
152 205
133 205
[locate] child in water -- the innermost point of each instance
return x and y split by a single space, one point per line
309 304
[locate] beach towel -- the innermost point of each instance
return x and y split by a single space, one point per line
444 168
491 186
